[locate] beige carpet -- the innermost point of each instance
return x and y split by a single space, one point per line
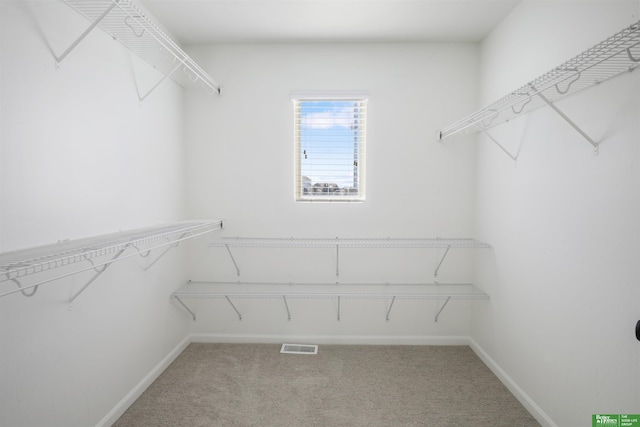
255 385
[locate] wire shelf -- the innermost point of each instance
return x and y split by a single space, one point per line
253 290
618 54
348 242
18 264
318 291
125 22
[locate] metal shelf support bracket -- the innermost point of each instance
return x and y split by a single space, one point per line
234 307
26 294
98 273
442 308
284 298
233 260
494 114
162 80
390 307
568 120
630 55
495 141
435 273
95 23
524 104
193 315
575 79
337 260
143 254
338 308
175 245
96 268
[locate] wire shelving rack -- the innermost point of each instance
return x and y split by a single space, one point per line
618 54
125 22
290 291
338 243
339 290
98 252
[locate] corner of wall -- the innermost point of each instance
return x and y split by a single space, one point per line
112 416
513 387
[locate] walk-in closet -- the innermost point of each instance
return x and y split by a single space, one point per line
358 212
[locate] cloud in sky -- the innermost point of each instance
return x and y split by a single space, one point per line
329 118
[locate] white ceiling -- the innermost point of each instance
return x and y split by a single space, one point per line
240 21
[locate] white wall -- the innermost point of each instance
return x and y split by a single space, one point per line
563 276
241 147
240 157
81 157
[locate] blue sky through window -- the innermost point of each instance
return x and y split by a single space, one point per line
330 132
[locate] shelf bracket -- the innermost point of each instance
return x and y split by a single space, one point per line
99 269
185 306
162 80
495 114
524 104
338 308
435 273
234 307
284 298
390 307
22 291
337 259
144 254
442 308
95 23
174 245
98 273
577 77
568 120
495 141
233 260
630 55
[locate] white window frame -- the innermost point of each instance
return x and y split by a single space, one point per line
323 191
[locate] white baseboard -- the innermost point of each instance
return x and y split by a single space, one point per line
137 391
513 387
331 339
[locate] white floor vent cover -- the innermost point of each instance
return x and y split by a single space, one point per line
299 349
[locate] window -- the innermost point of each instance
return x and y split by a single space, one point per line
330 135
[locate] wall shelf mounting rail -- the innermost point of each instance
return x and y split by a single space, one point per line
618 54
124 21
291 291
99 252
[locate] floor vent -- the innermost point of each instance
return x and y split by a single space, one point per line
299 349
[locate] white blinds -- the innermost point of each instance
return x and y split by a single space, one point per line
330 137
